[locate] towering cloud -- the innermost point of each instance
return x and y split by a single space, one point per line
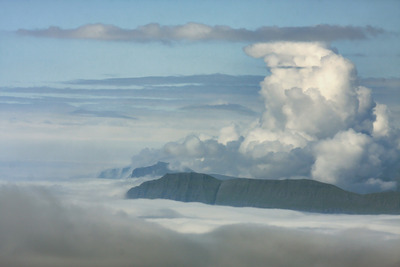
318 123
313 101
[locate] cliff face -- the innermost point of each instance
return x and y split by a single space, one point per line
302 195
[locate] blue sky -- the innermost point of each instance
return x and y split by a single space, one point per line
29 60
252 13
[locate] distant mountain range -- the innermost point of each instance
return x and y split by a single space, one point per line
301 195
158 169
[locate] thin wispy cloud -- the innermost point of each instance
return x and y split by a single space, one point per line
101 114
198 32
221 107
204 79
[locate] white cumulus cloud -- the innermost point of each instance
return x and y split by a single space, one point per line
318 123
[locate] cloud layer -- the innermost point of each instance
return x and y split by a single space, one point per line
318 123
96 124
197 32
41 228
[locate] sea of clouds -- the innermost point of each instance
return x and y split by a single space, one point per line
88 222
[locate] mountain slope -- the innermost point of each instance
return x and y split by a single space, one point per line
302 195
187 187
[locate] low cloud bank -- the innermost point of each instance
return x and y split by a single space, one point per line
318 123
40 229
197 32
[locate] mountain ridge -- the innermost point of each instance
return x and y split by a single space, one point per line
302 195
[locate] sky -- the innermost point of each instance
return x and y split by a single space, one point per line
257 89
27 60
76 100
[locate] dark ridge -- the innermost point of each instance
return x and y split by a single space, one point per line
301 195
186 187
